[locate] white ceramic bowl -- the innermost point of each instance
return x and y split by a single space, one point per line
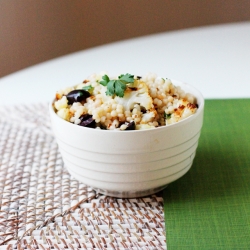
130 163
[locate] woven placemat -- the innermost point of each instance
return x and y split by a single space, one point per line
43 207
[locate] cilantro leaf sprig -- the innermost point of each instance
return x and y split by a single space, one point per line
117 87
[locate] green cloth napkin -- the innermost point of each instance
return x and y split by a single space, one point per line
209 207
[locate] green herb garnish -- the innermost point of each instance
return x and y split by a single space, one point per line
88 88
166 116
117 87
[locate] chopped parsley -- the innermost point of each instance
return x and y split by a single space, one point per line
164 79
166 116
88 88
117 87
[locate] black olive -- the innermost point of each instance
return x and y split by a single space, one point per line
139 77
87 121
77 95
131 126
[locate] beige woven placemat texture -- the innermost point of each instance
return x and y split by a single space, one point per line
43 207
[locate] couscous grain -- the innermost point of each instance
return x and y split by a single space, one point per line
127 102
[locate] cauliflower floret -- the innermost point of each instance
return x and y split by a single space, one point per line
64 113
149 116
189 110
184 110
62 103
137 93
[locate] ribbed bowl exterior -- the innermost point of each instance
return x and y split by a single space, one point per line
130 162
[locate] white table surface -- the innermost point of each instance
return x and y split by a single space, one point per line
214 59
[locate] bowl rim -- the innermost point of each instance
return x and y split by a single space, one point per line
194 91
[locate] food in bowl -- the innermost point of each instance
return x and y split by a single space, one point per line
137 162
126 102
